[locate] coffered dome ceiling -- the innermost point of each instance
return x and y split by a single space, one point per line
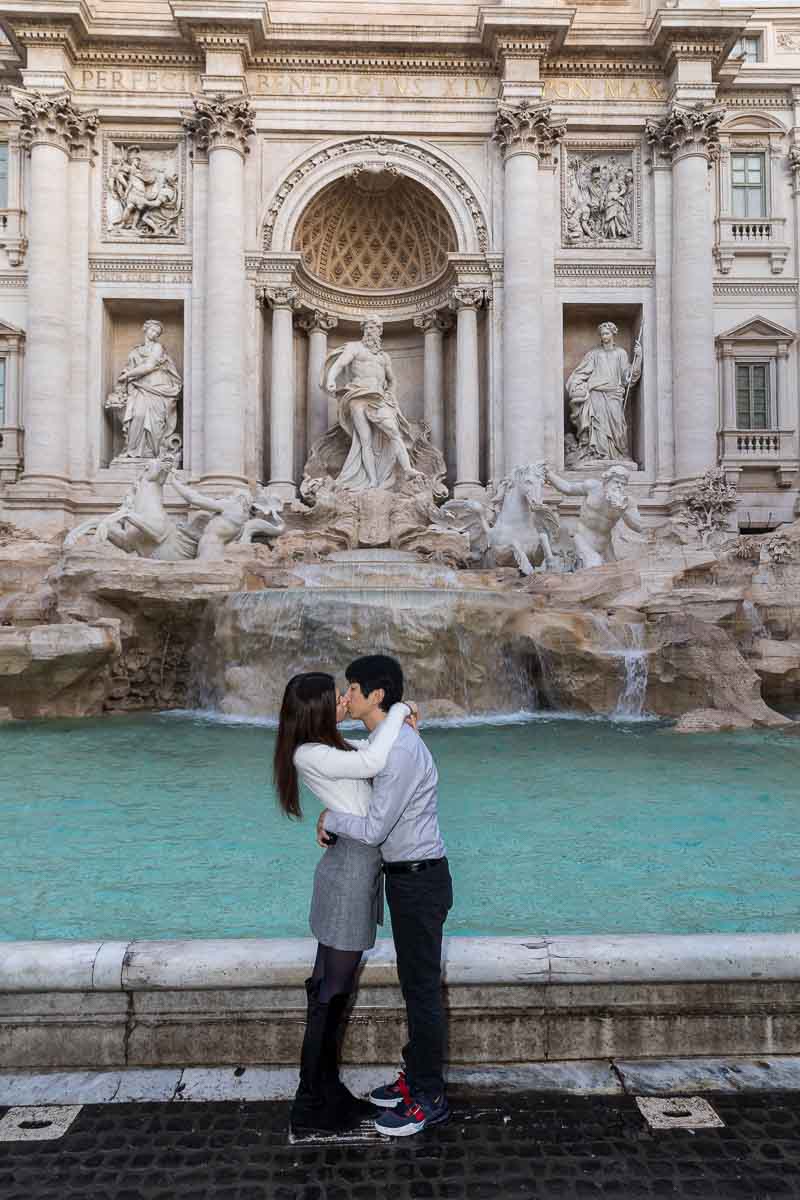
375 231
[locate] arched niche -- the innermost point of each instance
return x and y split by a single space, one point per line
431 168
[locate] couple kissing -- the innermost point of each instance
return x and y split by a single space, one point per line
379 820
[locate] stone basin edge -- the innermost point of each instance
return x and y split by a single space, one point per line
224 963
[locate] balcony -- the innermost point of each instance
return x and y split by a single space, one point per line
12 234
777 449
754 237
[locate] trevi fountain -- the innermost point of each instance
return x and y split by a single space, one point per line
326 331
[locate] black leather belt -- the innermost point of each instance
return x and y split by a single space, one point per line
406 868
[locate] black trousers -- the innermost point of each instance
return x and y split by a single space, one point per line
419 903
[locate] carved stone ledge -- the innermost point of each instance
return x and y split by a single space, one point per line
221 121
527 128
596 274
54 121
686 131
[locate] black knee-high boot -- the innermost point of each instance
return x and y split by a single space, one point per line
314 1110
337 1092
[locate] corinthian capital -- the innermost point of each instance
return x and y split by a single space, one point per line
54 120
279 297
467 297
313 320
221 121
527 128
687 131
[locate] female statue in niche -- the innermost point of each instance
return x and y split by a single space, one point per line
148 390
597 391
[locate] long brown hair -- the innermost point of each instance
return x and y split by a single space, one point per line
308 714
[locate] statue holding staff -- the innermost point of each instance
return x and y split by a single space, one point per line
598 389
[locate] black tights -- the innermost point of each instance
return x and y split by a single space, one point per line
335 971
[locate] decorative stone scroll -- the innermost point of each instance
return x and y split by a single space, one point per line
794 168
435 319
684 131
221 121
527 128
145 187
601 196
54 120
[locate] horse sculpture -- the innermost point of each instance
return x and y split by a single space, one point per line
515 527
142 525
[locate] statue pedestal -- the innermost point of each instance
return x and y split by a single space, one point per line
596 466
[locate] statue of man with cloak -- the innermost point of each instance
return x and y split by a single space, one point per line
360 375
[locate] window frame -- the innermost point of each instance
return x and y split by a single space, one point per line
747 189
740 50
749 364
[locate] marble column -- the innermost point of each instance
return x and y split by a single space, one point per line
526 133
688 137
434 326
466 301
222 126
52 128
283 302
320 406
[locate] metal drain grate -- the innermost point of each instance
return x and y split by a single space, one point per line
38 1124
678 1112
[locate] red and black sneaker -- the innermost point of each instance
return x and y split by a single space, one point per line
412 1116
391 1094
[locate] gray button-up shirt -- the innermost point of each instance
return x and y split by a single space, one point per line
403 816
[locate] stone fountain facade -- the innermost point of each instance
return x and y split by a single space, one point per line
203 203
485 354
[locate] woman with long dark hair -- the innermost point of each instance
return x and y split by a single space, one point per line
347 902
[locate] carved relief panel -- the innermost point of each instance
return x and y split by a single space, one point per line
601 194
144 188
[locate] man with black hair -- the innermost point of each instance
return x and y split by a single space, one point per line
403 820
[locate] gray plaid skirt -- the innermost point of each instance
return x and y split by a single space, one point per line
347 904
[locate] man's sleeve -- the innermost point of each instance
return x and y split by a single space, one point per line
391 792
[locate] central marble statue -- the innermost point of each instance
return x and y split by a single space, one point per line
360 375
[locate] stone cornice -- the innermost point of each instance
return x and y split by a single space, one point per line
707 34
427 64
54 120
221 121
525 31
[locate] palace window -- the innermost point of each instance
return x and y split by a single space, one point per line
3 175
748 48
748 185
753 395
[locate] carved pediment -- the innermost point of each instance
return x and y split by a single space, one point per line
7 330
757 329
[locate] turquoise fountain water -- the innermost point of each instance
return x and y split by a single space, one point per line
166 826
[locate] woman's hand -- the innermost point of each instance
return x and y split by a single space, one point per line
342 707
413 718
322 836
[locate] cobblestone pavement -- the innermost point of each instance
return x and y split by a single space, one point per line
495 1146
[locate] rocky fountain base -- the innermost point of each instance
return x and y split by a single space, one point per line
712 639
